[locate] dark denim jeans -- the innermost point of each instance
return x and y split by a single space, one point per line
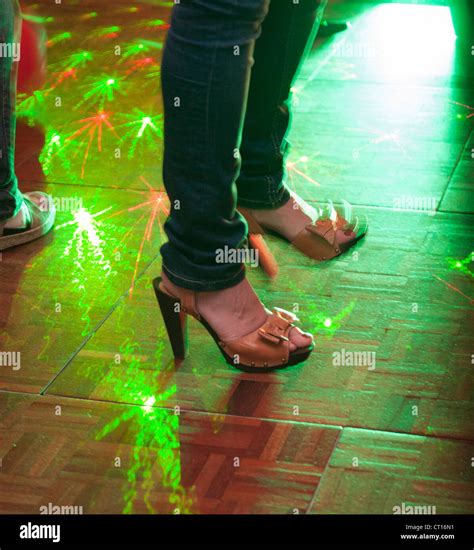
10 197
227 70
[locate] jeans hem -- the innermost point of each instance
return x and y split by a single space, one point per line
208 285
264 204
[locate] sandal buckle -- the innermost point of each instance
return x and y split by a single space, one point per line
272 336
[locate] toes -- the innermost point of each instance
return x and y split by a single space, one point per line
299 339
345 236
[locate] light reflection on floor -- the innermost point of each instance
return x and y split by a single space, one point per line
376 118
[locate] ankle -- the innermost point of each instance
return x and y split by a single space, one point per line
232 312
289 219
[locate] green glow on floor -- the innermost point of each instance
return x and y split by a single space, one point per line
410 40
156 447
62 37
462 265
31 107
106 31
90 15
53 148
318 322
101 90
78 59
37 19
315 318
141 131
134 49
86 258
81 138
155 23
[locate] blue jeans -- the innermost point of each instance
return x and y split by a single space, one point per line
227 70
10 197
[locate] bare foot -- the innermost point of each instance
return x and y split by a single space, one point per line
235 312
291 218
287 220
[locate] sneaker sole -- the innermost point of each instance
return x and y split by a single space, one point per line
30 235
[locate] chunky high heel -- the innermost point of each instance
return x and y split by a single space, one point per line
262 350
176 321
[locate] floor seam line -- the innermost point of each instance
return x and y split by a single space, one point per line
313 498
97 327
456 164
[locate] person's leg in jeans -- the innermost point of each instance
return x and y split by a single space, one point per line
288 30
205 75
263 197
206 71
11 199
287 33
23 217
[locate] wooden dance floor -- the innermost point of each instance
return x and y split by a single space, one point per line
98 417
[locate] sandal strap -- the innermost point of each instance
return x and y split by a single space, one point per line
268 346
326 245
323 228
277 326
186 300
328 223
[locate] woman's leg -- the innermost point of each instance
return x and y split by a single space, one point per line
287 32
11 199
205 77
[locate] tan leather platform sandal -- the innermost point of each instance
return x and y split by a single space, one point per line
263 350
335 230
